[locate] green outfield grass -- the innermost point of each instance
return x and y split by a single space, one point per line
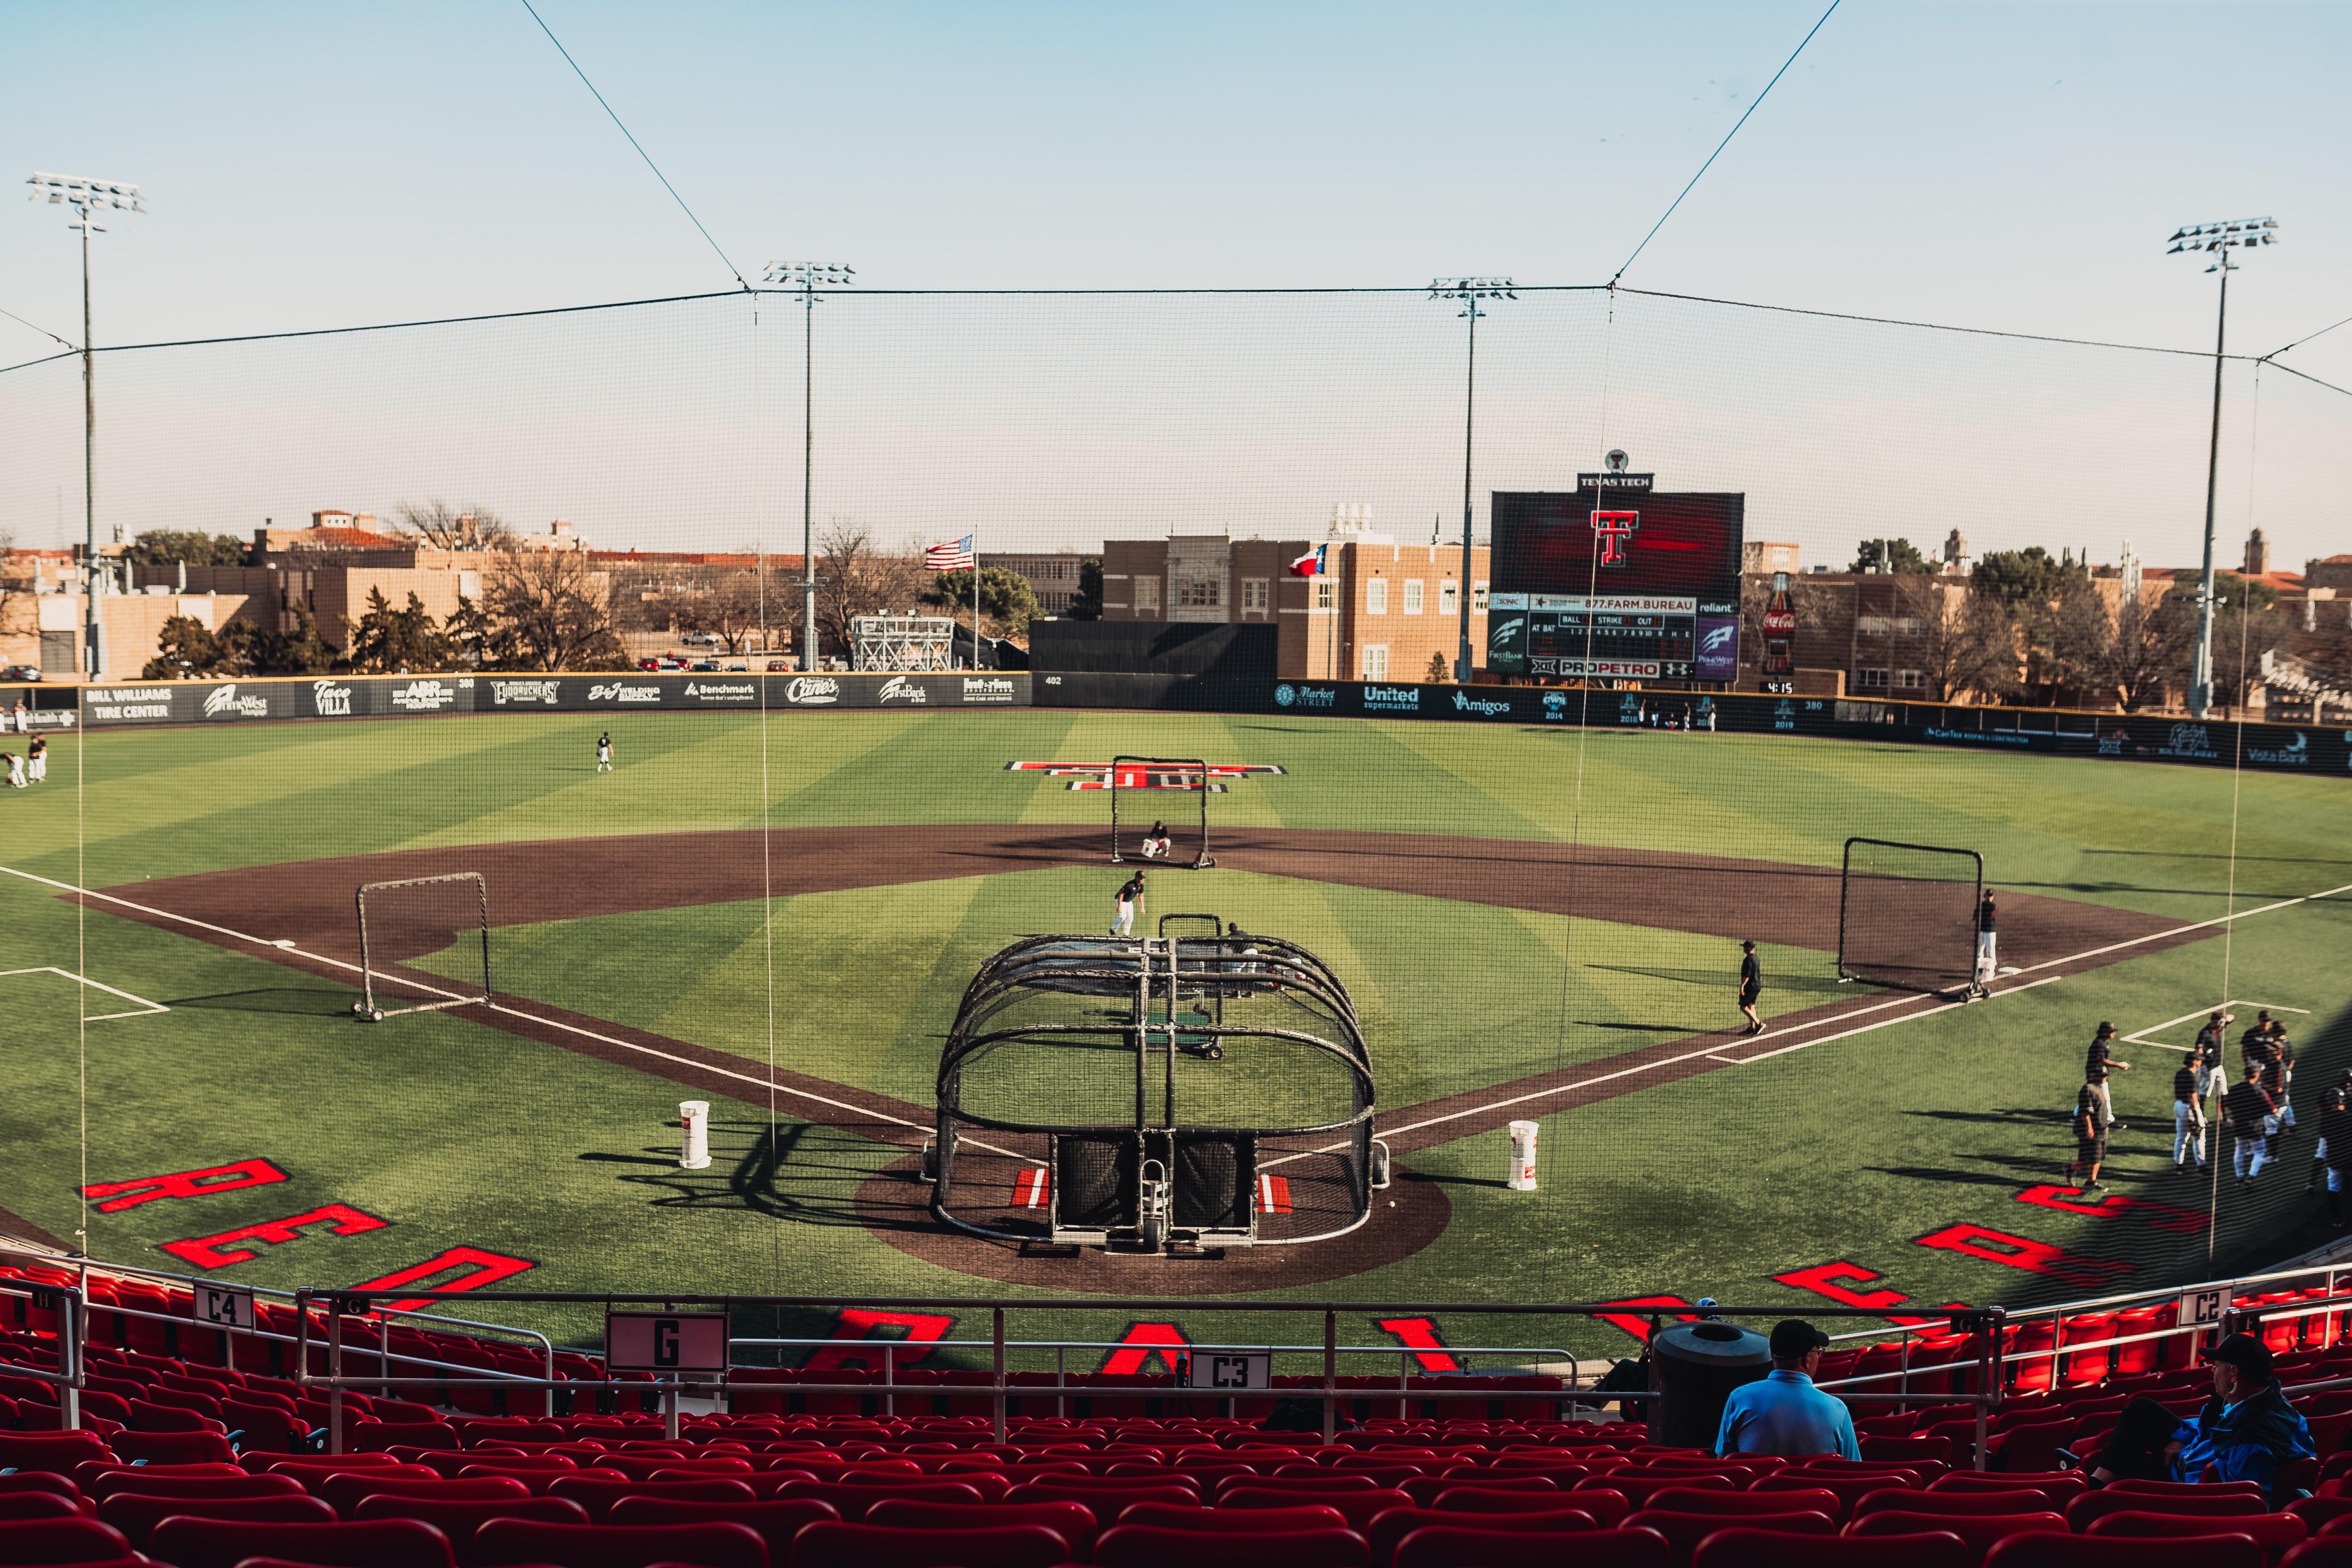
457 1133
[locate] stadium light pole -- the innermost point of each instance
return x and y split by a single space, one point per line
809 278
89 198
1469 291
2216 240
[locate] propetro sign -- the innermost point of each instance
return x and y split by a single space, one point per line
666 1341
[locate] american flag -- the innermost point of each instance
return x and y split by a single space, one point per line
955 556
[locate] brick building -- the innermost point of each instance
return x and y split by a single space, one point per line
1380 611
1053 576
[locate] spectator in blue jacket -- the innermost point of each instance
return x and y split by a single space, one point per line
2247 1430
1783 1413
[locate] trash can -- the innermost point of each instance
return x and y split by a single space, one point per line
1695 1367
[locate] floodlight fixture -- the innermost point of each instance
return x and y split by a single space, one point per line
1469 291
1471 288
2216 240
811 279
89 198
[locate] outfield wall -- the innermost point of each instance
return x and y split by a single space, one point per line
2268 747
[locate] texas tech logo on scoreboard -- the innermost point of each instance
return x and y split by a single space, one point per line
1615 531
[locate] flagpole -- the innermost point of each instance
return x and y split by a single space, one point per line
975 596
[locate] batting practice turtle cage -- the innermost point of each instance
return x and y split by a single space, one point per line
1197 1090
1907 915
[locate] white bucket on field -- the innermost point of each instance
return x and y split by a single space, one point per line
694 1115
1523 1156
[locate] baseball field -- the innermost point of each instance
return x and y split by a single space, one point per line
779 917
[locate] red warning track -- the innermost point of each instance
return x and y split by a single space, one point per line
309 904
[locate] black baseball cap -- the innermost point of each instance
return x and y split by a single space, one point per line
1793 1337
1748 947
2244 1352
2106 1029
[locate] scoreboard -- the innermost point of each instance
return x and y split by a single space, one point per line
1615 580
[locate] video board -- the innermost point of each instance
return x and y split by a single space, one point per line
1616 579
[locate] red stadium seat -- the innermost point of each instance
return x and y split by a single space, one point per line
1104 1500
2092 1507
840 1545
42 1505
1356 1507
47 1541
344 1492
1149 1546
2274 1531
2335 1552
187 1543
1236 1520
598 1492
1979 1530
163 1483
2319 1513
137 1515
1683 1532
1638 1489
2061 1486
1695 1500
776 1523
1312 1479
1387 1528
1424 1489
511 1540
47 1481
58 1451
1610 1508
460 1521
1903 1499
1761 1546
1491 1546
852 1499
2056 1548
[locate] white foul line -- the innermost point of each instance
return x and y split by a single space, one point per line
2138 1037
281 946
146 1007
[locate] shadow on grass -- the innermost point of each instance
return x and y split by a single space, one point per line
308 1003
2013 1113
1728 979
802 1172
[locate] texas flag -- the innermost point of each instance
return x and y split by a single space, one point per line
1311 564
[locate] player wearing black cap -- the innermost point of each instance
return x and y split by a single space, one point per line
1751 986
2090 1123
2247 1430
1123 904
2102 1056
1783 1413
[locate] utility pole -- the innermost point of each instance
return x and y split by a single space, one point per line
809 276
2216 240
1469 290
89 198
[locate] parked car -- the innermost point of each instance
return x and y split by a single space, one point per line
709 666
20 673
649 663
702 639
777 666
737 669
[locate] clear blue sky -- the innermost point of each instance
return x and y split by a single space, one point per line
2013 166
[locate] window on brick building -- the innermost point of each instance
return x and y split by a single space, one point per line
1867 679
1322 593
1146 593
1412 596
1376 597
1449 598
1478 597
1199 592
1376 662
1253 593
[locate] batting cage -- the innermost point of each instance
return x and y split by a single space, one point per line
420 917
1197 1089
1907 915
1184 843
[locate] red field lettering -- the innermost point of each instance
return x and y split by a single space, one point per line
2163 1215
858 1325
1638 1325
2024 1252
121 1194
1421 1334
1139 1344
488 1269
218 1251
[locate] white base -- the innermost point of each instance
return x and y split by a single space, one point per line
701 1164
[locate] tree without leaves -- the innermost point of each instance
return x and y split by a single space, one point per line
735 607
1991 654
547 610
19 613
2078 642
1930 616
437 523
167 546
2151 648
855 578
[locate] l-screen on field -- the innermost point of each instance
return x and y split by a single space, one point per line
1513 925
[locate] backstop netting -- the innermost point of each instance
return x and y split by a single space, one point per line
1906 914
423 918
1148 793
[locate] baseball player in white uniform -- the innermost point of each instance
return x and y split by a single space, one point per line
605 752
37 759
